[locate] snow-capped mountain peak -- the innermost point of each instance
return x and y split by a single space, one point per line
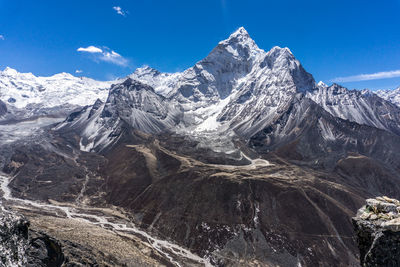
280 58
239 44
277 51
63 75
9 71
322 84
145 71
239 33
239 36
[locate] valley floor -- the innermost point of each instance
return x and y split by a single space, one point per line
107 234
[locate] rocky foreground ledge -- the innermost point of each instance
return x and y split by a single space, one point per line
377 226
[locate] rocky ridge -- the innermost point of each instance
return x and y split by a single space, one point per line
358 106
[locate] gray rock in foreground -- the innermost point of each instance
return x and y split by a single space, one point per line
377 226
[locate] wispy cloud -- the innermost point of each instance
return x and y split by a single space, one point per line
120 11
114 57
368 77
1 37
78 71
104 54
90 49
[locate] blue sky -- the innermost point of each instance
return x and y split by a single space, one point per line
330 38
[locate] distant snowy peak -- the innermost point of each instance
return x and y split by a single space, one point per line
322 84
145 72
163 83
9 72
390 95
21 90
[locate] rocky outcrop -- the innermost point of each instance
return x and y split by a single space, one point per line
20 247
13 239
377 226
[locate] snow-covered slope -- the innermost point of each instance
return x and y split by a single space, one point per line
163 83
266 92
28 92
390 95
358 106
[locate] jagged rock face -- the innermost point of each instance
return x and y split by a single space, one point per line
354 105
140 107
377 227
20 247
266 92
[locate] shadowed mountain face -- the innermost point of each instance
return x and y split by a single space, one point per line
3 108
243 158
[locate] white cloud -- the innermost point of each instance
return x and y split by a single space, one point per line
105 54
1 37
90 49
368 77
119 11
78 71
115 58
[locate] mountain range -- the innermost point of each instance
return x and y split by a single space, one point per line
242 159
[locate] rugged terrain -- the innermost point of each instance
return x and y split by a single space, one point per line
241 160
